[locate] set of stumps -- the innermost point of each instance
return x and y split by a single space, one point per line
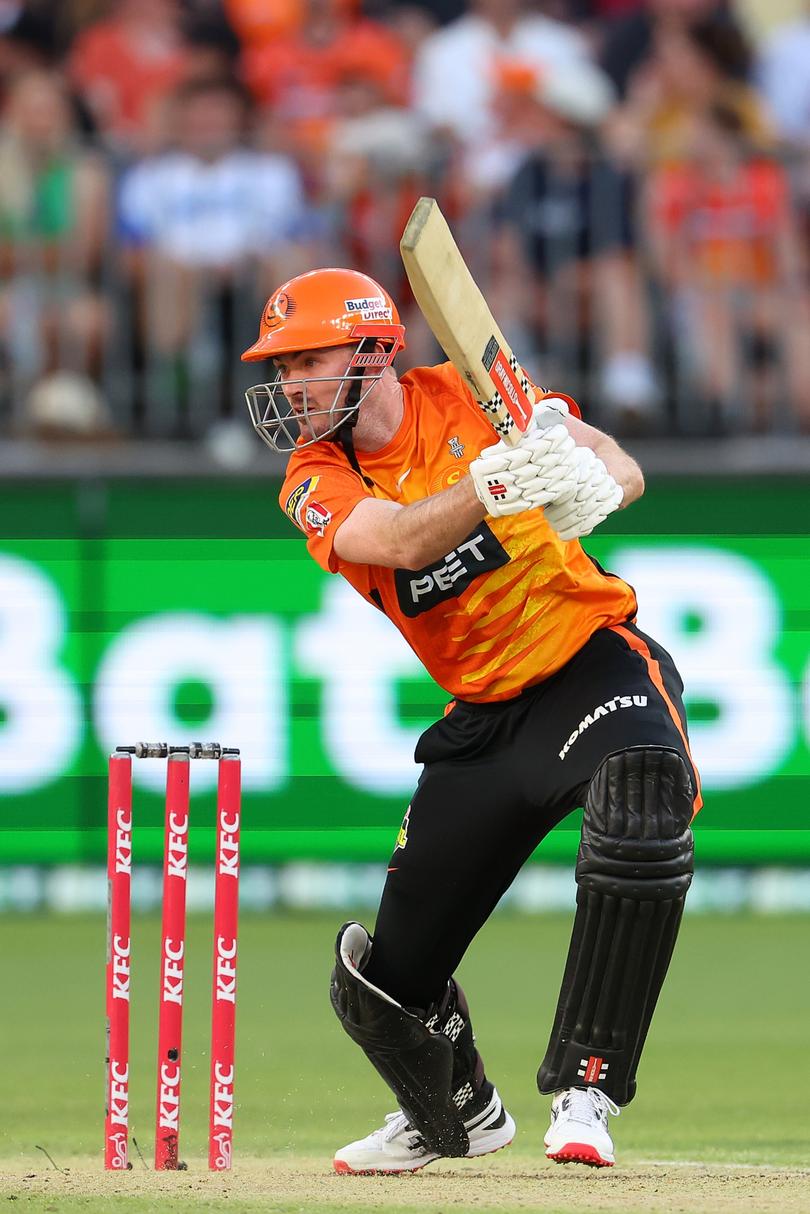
172 952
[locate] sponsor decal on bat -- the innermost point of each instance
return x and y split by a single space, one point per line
514 397
490 350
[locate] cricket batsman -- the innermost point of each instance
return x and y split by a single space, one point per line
558 701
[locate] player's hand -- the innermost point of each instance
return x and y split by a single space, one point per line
538 470
547 411
550 472
494 477
596 495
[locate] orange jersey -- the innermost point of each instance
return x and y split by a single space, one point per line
730 228
510 605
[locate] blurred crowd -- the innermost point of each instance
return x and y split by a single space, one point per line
629 180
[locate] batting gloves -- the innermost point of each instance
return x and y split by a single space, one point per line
596 495
539 470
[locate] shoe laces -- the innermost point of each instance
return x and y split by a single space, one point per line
395 1124
586 1103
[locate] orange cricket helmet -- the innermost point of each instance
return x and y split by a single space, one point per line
330 307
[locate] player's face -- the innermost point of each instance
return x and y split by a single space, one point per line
312 401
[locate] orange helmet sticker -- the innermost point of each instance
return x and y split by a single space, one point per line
277 309
329 307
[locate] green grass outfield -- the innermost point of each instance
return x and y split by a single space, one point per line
723 1079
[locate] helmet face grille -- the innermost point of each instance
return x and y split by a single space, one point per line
284 416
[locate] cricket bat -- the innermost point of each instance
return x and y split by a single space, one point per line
462 323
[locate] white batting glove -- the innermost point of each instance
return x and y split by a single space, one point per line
597 494
554 406
550 472
494 478
538 470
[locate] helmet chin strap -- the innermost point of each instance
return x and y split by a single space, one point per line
344 435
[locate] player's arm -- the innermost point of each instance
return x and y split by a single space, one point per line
409 537
606 478
621 466
503 479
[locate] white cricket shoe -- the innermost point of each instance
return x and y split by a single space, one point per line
579 1128
398 1147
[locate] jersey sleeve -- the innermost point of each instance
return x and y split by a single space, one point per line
317 500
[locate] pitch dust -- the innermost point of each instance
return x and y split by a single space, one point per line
288 1185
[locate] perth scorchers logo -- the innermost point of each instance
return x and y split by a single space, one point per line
448 476
280 307
452 474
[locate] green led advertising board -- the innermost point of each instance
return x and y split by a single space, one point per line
133 610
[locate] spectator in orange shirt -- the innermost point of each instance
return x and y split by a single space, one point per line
298 75
124 65
723 235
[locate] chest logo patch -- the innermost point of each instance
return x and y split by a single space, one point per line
451 475
456 446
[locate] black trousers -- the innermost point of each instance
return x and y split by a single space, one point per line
496 779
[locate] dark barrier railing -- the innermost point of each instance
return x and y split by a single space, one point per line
670 303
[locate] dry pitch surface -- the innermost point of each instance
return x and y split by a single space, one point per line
736 1004
306 1184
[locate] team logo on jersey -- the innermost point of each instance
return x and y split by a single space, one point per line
402 837
450 476
297 499
317 518
371 307
420 590
456 446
